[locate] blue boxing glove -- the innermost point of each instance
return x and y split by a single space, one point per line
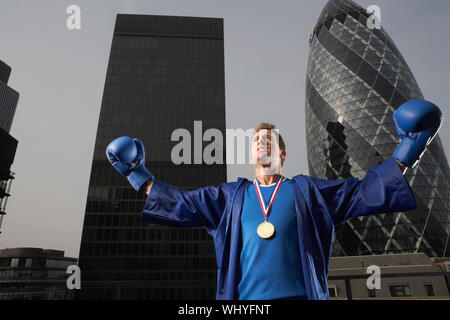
420 118
121 153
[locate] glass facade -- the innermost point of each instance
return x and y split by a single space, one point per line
164 73
5 72
8 98
8 103
356 78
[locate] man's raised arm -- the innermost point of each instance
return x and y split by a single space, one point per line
384 189
167 205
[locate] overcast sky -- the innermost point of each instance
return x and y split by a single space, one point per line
60 76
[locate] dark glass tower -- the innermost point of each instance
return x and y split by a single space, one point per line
8 98
8 144
164 73
356 78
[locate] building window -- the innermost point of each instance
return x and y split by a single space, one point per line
28 262
429 290
14 262
332 291
400 291
372 293
447 266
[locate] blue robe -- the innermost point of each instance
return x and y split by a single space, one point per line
322 207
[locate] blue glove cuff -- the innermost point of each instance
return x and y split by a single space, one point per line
138 176
411 149
408 152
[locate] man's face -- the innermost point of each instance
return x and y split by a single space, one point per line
265 151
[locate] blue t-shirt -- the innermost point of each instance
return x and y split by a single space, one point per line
270 268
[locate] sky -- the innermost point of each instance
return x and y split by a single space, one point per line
60 75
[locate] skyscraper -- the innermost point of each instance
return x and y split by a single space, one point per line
8 98
356 78
8 151
164 73
8 103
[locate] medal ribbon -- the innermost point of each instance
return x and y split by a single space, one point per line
274 194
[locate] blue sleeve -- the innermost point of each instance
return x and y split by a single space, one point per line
384 189
169 206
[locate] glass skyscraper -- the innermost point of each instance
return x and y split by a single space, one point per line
164 73
8 98
8 103
356 78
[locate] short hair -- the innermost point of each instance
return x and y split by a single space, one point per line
269 126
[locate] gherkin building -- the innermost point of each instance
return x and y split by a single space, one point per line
356 78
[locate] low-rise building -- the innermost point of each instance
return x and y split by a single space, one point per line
34 274
402 276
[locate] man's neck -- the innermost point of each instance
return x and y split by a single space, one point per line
266 180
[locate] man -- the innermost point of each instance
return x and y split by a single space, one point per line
273 236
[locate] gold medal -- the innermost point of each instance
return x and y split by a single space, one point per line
265 230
